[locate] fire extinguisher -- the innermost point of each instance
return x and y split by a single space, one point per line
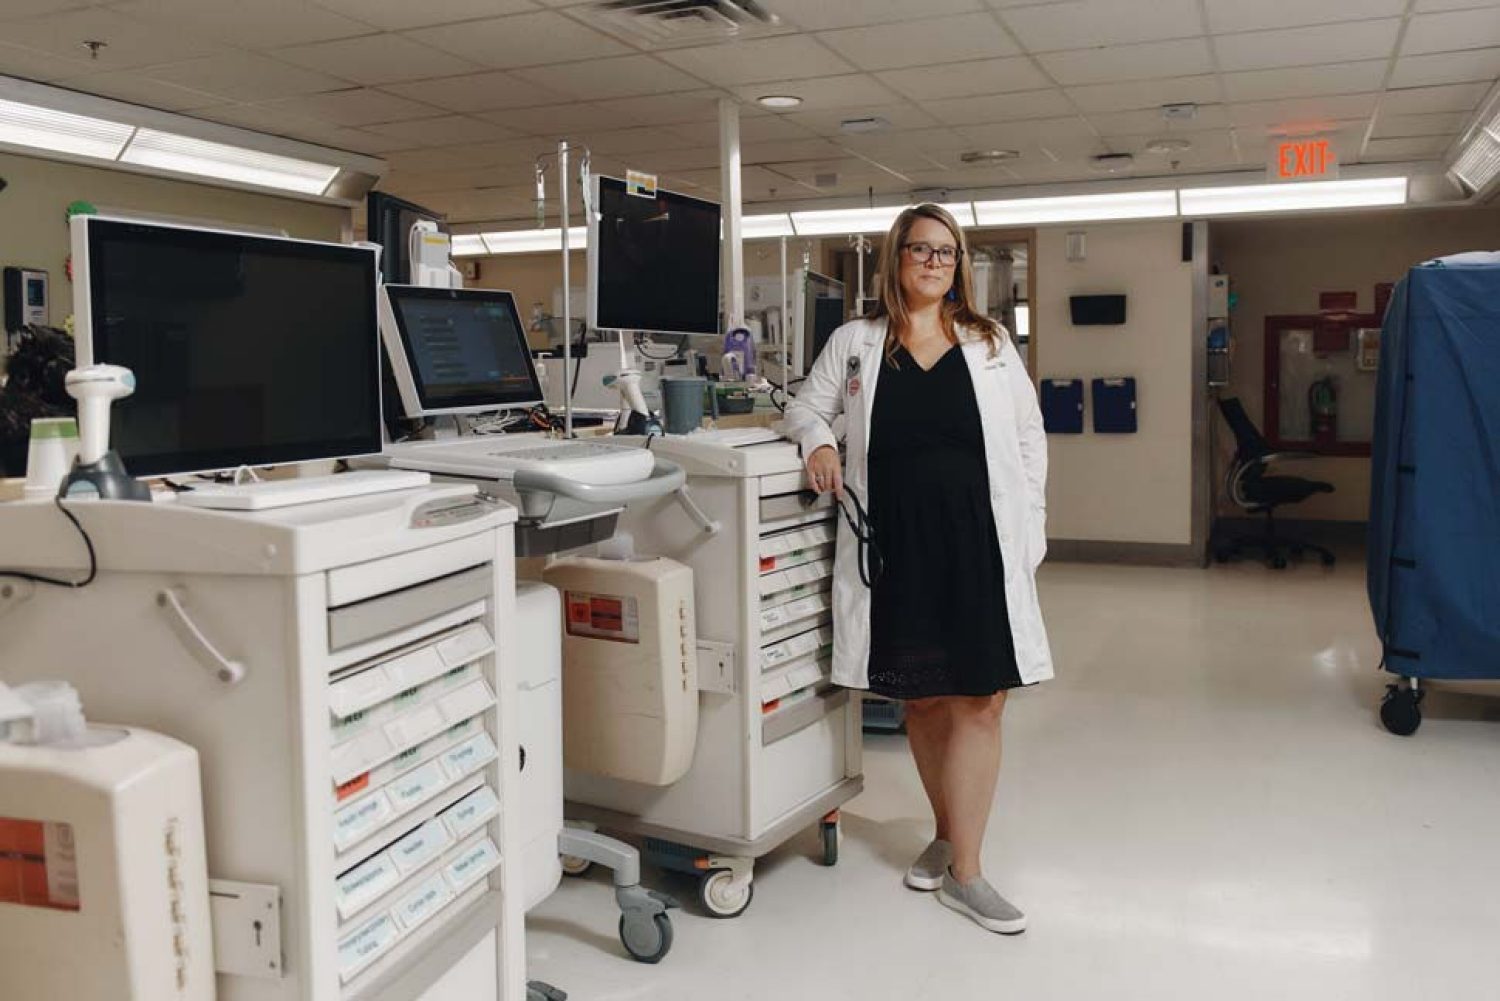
1323 409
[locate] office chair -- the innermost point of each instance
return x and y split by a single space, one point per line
1249 486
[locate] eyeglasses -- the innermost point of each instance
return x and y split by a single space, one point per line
921 253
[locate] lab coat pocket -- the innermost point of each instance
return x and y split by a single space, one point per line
1036 539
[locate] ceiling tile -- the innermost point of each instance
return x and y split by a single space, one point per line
131 86
244 77
686 159
877 143
988 76
538 39
824 14
826 122
1423 6
791 151
556 119
1342 78
852 90
34 64
762 128
1303 114
477 92
1037 132
1146 61
448 130
1150 122
673 109
1313 46
786 58
1076 24
375 59
12 9
1448 67
1422 100
360 141
1145 94
1452 30
624 76
400 15
1000 107
256 24
460 179
938 40
1448 123
1225 16
640 139
357 107
131 42
267 118
1414 148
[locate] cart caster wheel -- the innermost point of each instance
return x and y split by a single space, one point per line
1278 563
574 866
1328 560
720 897
647 940
1401 710
830 835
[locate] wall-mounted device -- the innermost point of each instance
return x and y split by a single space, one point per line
1097 310
25 299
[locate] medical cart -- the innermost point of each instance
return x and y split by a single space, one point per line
343 669
779 748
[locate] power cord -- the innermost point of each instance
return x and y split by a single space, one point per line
56 581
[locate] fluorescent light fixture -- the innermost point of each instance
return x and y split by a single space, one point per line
185 155
1294 197
1154 204
963 212
832 222
763 227
468 245
534 241
60 132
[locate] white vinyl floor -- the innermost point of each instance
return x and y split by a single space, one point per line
1201 806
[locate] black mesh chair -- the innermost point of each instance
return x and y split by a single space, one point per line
1251 487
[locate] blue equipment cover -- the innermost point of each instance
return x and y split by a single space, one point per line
1434 553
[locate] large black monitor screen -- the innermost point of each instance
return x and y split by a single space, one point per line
657 262
465 348
246 350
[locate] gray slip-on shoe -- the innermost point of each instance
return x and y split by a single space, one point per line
978 900
926 873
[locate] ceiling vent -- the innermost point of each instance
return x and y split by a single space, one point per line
659 22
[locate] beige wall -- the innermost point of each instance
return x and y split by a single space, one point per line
1278 266
34 231
1121 488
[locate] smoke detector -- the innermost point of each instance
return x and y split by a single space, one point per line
989 155
662 21
1112 163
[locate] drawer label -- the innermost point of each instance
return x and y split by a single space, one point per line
358 819
414 727
365 945
424 902
470 756
420 846
472 865
414 787
366 883
471 812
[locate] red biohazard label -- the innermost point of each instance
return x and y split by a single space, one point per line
604 617
38 864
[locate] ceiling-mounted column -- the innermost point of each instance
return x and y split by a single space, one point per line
732 258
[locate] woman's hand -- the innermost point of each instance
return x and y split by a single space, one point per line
825 472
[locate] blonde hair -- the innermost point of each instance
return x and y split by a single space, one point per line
957 311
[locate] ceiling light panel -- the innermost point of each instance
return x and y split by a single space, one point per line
532 241
166 151
765 227
60 131
1254 198
468 245
1154 204
830 222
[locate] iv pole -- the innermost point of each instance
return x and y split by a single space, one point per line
563 149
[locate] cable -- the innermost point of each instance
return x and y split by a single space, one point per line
56 581
871 562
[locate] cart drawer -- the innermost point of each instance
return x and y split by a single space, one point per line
797 716
389 613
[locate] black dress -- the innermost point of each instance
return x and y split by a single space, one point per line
939 624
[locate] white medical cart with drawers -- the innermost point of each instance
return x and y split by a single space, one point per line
779 748
337 667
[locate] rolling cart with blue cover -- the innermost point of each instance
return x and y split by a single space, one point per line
1434 537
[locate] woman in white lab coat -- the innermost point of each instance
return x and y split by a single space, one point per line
945 449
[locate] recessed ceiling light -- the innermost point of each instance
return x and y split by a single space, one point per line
1113 163
778 101
989 155
1168 146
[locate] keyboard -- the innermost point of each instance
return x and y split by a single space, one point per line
588 462
267 494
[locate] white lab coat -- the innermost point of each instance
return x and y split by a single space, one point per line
843 382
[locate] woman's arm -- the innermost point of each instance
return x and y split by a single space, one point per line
820 399
1029 430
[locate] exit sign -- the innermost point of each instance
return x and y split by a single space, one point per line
1305 159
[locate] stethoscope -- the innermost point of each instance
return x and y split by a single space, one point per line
871 563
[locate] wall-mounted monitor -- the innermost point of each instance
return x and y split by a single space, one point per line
653 261
1097 310
819 307
247 350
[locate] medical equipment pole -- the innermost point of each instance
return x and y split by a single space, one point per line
567 309
786 323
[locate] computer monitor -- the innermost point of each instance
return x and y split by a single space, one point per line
817 311
247 350
653 261
457 351
388 222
